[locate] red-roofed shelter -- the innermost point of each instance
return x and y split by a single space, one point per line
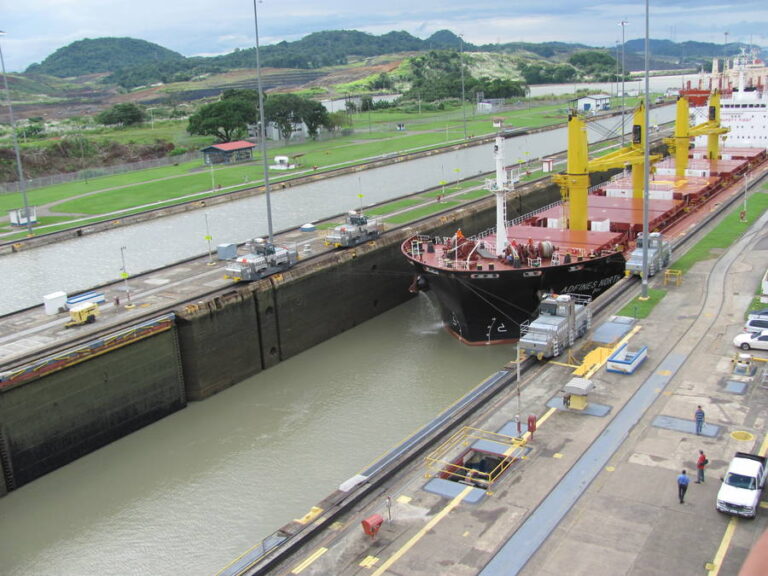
228 152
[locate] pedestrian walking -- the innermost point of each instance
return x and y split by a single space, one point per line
682 486
700 465
699 414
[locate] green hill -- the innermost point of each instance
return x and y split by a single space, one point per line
93 56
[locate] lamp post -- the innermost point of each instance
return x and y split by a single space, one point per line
19 170
208 239
151 117
618 64
125 275
461 65
746 189
262 125
623 74
646 157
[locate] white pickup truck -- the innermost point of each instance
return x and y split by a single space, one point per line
742 486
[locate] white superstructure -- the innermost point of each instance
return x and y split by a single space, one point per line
743 103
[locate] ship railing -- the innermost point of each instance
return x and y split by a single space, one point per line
524 217
515 221
534 262
417 242
555 259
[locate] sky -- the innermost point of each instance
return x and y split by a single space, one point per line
34 29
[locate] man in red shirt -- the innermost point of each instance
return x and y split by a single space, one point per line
700 464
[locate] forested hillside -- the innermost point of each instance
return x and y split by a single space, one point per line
91 56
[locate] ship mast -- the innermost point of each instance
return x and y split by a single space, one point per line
499 187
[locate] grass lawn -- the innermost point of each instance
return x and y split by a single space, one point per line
638 308
421 212
724 234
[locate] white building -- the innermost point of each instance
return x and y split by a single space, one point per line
593 103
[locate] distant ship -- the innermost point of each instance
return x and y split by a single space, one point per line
743 84
486 285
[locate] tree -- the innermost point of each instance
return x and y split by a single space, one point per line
125 114
314 115
287 110
284 111
227 119
339 120
251 96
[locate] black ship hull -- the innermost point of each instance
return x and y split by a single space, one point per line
487 307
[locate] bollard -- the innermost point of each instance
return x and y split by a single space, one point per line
372 524
532 424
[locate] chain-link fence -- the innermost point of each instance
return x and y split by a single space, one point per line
87 173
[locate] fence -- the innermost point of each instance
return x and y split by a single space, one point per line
33 183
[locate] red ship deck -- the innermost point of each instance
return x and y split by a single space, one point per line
702 166
624 213
688 190
578 244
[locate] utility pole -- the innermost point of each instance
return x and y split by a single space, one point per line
623 74
461 65
262 126
646 157
125 275
19 170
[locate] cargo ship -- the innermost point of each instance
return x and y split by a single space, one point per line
486 285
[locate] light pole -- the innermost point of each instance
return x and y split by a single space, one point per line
618 64
646 156
262 125
125 275
623 74
746 189
461 65
151 118
19 170
208 239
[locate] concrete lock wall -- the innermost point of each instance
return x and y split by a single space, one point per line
220 342
49 422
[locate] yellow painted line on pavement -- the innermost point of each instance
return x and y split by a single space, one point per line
544 418
369 562
763 447
304 565
724 543
420 534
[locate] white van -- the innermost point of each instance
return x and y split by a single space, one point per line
756 325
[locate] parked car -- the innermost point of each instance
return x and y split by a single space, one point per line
752 340
756 325
758 314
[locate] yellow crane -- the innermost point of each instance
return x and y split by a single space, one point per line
680 143
574 183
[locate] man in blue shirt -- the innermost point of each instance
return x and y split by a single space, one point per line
682 485
699 420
